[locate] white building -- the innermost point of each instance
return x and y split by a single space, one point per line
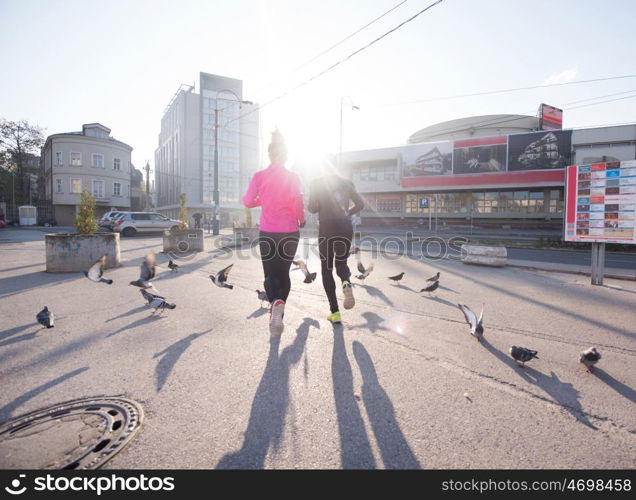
91 160
184 160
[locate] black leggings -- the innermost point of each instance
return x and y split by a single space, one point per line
334 245
277 252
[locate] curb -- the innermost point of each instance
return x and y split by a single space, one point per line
624 277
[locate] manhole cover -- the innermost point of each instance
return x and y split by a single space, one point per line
78 434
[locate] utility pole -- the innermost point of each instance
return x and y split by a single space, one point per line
147 169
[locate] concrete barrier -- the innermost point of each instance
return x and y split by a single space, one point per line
183 241
484 255
67 252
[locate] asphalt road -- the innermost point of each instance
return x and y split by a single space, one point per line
401 384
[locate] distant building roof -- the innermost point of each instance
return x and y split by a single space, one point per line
475 126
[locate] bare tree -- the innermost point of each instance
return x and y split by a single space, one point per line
17 140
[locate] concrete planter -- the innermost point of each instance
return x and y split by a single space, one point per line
67 252
183 241
484 255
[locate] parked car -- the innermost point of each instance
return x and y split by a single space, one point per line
107 218
131 223
2 224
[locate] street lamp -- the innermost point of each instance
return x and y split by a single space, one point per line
353 108
217 208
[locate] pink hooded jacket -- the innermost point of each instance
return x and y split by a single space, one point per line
277 191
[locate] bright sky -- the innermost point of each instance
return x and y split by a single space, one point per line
69 62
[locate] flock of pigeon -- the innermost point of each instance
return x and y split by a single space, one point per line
147 275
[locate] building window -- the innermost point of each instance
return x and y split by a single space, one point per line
98 189
116 189
58 158
58 183
97 160
76 186
76 159
116 164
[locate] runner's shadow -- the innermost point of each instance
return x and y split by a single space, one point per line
269 406
376 292
619 387
394 449
171 355
355 448
563 393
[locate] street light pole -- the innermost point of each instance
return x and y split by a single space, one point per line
353 108
216 196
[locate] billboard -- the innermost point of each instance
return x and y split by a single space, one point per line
480 155
540 150
600 202
427 159
551 118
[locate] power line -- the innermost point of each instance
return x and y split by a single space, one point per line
502 91
298 68
333 66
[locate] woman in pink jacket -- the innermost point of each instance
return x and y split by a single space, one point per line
277 191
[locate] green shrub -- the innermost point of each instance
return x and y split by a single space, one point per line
85 219
183 212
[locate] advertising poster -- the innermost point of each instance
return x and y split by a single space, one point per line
540 150
601 203
428 159
480 155
551 117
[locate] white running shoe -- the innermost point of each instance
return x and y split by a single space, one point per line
349 300
276 325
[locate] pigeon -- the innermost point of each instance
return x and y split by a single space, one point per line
431 288
397 277
147 271
476 326
589 358
173 266
150 296
433 278
45 317
220 278
159 303
96 271
262 296
309 277
364 271
522 354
